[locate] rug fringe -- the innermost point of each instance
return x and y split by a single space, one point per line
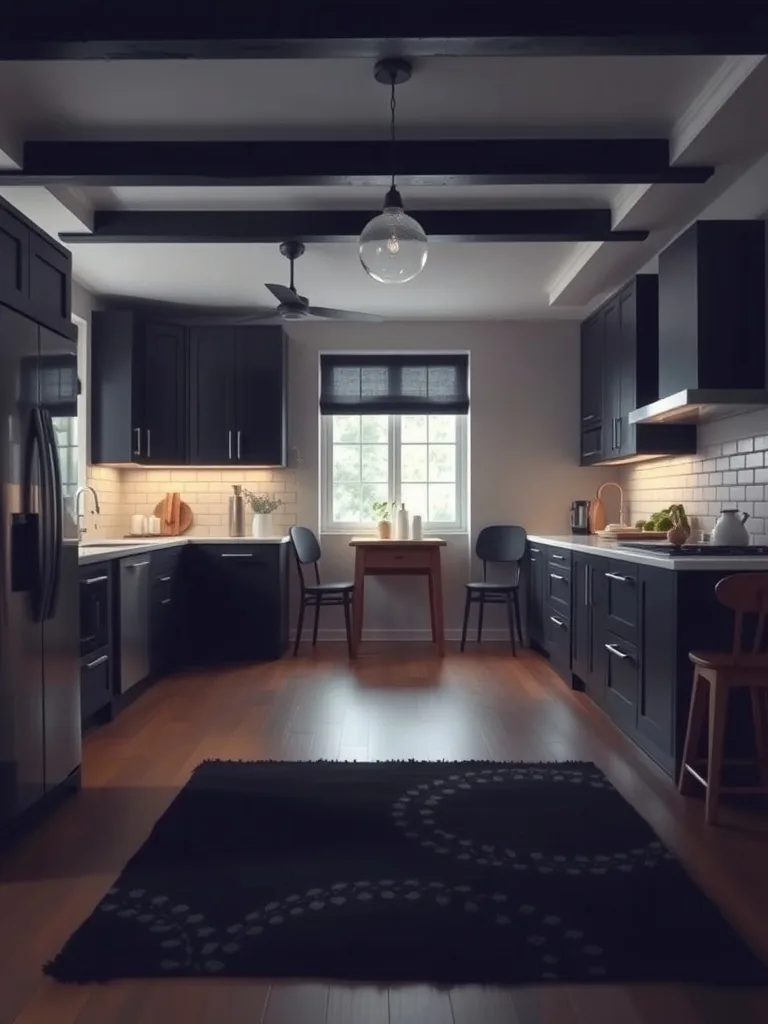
392 760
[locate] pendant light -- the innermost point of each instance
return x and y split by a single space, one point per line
393 246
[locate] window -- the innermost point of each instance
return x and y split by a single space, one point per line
418 459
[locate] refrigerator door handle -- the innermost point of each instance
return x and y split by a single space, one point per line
44 536
57 512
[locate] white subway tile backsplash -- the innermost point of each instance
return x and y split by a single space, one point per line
755 459
747 444
746 476
730 448
755 492
738 461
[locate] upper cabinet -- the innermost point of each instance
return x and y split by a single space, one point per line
177 394
619 372
138 390
35 273
237 396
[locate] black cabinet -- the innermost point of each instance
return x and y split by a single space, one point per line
621 680
138 390
621 605
237 602
588 609
166 622
238 396
96 640
620 373
537 563
35 273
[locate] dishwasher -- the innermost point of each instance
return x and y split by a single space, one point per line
134 621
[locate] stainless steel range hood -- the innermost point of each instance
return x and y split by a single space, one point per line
697 405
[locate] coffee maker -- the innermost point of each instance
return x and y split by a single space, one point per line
580 517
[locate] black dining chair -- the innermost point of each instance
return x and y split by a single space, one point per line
502 544
307 550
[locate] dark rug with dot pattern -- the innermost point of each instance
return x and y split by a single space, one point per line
405 871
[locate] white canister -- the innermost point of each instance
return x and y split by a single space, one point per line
153 523
402 523
138 525
416 532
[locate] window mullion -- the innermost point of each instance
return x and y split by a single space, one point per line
394 459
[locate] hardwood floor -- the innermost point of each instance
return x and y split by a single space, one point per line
398 703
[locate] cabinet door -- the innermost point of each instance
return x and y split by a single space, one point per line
581 619
211 396
626 364
260 396
621 681
658 668
622 607
14 262
592 368
612 380
50 288
537 560
164 394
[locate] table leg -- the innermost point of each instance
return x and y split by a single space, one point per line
432 603
358 601
437 583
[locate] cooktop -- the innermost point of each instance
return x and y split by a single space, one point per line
727 550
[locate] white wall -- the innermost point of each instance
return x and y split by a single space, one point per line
524 445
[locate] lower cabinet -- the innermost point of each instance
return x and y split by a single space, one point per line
165 623
96 639
588 612
537 561
237 606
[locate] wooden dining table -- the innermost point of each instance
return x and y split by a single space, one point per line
376 557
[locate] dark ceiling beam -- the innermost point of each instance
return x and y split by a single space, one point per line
441 162
201 226
199 29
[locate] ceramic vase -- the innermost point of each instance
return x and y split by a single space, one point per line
678 535
385 529
262 524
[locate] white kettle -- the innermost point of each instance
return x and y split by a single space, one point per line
730 529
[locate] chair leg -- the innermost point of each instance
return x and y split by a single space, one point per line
299 628
467 603
348 623
516 599
696 716
718 711
317 622
760 725
480 619
511 617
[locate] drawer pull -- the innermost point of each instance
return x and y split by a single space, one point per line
613 649
588 419
621 579
95 579
554 576
166 601
98 661
557 622
136 565
240 554
559 558
165 579
535 551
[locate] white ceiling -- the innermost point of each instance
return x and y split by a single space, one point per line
705 105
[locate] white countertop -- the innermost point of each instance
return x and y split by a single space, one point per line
128 546
612 549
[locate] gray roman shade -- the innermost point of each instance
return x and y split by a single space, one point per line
387 384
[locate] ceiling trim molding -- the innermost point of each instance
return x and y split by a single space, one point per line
153 29
360 162
224 226
570 269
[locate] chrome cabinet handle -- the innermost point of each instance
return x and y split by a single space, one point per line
166 601
165 579
588 419
136 565
149 445
240 554
554 576
586 585
621 579
229 433
137 432
613 649
238 444
98 661
557 622
559 558
95 579
535 551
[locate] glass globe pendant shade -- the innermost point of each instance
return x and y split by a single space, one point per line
393 246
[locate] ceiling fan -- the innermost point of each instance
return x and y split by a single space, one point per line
296 307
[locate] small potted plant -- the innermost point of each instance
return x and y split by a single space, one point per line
381 515
262 506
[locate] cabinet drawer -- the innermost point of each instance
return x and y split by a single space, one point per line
558 589
622 672
621 594
95 685
165 563
557 639
397 558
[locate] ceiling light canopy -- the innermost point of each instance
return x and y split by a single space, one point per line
393 246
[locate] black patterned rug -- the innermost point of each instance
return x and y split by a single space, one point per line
402 871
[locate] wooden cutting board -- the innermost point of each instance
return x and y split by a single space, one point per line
180 523
631 534
597 517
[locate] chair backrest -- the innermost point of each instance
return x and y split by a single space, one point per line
306 547
500 544
745 594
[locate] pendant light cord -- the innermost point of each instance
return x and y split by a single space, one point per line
392 106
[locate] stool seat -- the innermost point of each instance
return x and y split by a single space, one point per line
727 659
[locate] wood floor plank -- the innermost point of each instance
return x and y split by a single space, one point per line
392 703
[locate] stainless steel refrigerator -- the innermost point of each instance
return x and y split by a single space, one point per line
40 733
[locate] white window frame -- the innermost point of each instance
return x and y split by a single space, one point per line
328 526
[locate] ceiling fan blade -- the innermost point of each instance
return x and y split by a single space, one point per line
343 314
259 314
284 295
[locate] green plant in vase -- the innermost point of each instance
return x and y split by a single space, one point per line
263 506
381 513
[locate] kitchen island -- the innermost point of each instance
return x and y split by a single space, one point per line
618 623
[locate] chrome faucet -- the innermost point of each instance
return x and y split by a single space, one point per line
80 515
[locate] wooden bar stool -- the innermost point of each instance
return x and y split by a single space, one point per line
715 675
